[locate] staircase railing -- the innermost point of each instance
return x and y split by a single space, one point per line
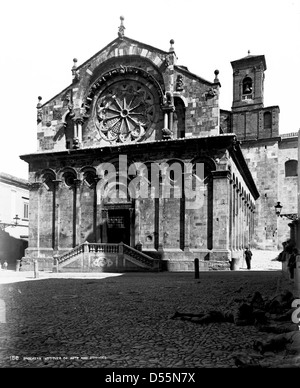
120 249
70 254
140 256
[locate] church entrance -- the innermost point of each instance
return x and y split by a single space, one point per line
118 226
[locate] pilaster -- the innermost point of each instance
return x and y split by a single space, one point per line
221 209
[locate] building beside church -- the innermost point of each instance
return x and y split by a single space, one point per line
14 216
132 171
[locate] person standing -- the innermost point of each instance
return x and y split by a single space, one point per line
248 256
292 263
5 265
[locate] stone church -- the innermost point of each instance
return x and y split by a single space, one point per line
138 168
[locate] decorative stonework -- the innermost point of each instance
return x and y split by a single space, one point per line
124 112
211 93
39 110
121 73
102 262
121 28
179 83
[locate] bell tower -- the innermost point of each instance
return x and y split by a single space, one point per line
248 82
250 119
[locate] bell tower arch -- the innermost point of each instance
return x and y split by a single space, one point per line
248 82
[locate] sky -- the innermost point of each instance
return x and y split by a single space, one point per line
39 40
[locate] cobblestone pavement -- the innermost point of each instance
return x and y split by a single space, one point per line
123 320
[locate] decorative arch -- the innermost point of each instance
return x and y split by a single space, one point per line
209 165
67 169
68 175
88 175
48 176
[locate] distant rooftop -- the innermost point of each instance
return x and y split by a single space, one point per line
13 180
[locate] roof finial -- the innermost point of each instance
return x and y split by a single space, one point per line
121 28
171 50
75 74
216 76
39 110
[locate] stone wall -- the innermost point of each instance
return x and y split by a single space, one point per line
262 159
251 123
287 185
202 112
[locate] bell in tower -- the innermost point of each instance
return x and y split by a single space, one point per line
247 85
248 79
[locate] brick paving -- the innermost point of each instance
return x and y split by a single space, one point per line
123 320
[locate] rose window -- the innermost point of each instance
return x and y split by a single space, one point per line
125 112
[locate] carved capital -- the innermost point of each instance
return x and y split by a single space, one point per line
56 183
77 183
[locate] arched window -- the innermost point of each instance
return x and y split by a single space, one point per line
179 118
247 85
267 120
247 89
69 132
291 168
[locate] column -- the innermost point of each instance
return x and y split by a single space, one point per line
233 216
134 224
34 216
237 219
79 131
96 214
104 225
166 120
56 215
161 201
240 231
187 228
77 212
243 222
221 209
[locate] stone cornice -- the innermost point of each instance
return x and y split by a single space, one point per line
219 174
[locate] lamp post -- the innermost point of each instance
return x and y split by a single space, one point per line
4 225
292 217
289 216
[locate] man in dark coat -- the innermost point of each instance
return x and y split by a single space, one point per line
248 255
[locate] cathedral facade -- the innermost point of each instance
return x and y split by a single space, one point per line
138 168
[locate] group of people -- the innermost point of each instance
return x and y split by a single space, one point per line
288 257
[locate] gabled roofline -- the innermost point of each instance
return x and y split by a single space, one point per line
103 49
185 70
121 40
